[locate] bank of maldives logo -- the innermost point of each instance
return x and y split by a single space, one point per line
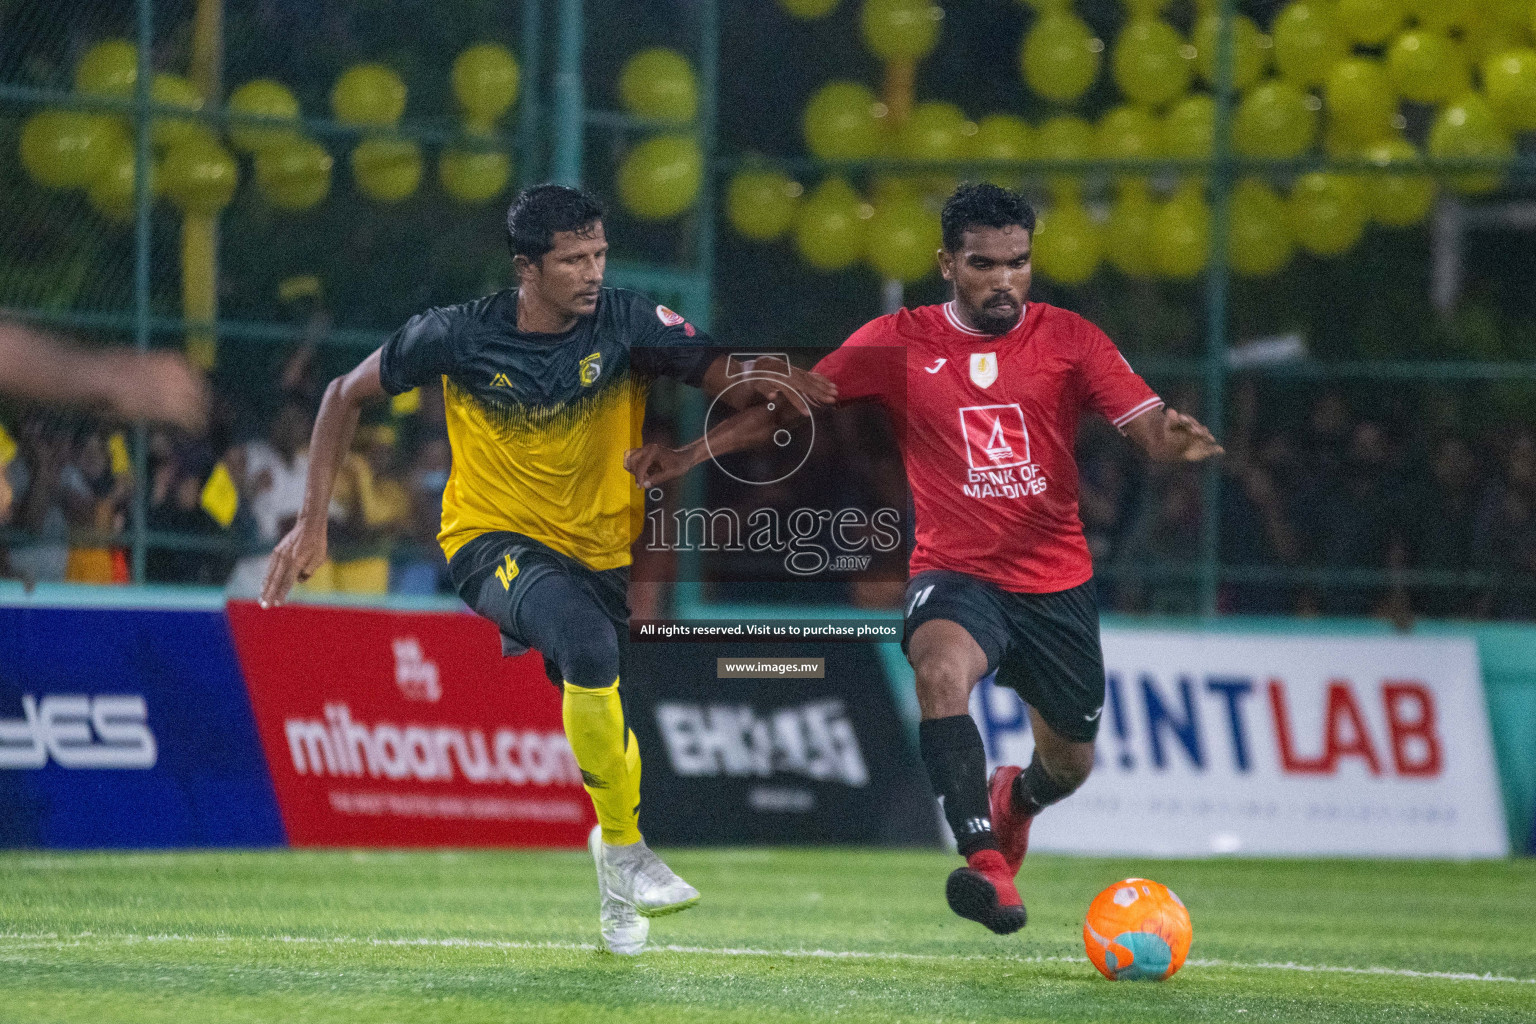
995 436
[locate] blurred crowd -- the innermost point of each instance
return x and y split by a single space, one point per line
216 503
1329 512
1323 510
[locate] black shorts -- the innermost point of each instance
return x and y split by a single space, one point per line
522 562
1045 646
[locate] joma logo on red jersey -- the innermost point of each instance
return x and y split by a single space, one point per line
995 436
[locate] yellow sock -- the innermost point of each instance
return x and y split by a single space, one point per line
609 758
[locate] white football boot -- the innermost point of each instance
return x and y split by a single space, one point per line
636 876
624 930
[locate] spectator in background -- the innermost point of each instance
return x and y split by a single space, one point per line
96 494
1163 529
377 512
1506 532
1444 524
178 470
270 476
35 478
421 567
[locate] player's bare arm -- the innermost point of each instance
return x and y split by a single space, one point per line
302 550
158 386
1169 436
653 464
767 386
774 400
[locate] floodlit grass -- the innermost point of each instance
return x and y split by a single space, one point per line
782 935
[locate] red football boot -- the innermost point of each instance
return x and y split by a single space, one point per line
1009 827
983 891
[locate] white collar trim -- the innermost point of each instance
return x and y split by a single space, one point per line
953 317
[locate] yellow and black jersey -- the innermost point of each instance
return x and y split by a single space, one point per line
539 423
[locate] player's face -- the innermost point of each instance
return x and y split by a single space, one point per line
990 273
570 275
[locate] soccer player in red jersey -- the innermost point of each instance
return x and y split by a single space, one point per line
986 391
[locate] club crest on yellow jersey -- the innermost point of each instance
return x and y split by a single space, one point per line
589 368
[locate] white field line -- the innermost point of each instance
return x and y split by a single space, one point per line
54 940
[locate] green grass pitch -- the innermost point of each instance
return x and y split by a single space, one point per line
781 936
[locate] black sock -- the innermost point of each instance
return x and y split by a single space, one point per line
1034 789
957 770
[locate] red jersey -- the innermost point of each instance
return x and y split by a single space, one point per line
986 425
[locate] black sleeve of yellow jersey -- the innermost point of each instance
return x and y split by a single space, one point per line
662 343
418 353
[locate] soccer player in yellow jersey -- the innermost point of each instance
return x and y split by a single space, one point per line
544 386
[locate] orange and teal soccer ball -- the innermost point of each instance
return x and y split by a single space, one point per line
1137 930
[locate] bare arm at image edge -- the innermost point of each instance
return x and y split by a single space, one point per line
303 549
159 386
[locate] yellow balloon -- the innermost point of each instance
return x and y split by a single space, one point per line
69 148
1360 99
1308 42
658 84
112 193
485 81
1396 200
762 204
1065 138
1275 120
1250 51
1509 82
1427 67
808 10
175 91
832 226
1371 22
1469 128
659 178
1189 128
902 240
1060 57
295 175
1326 212
1128 237
474 176
368 94
1068 245
935 131
901 30
844 121
1152 63
1002 137
262 97
1182 235
1489 38
386 170
110 68
1128 132
1443 15
1261 241
199 175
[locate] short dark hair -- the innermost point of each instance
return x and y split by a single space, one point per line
983 205
538 212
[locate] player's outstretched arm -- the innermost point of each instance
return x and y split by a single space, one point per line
654 464
767 384
158 386
1168 436
302 550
